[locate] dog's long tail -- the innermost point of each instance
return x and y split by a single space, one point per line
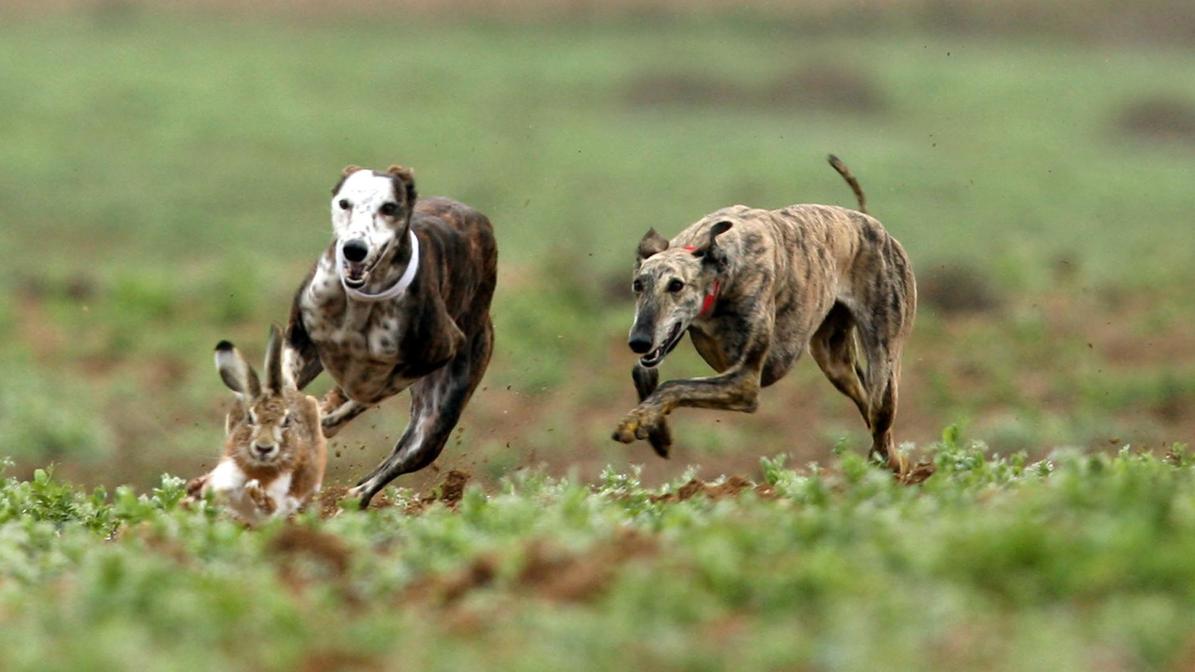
850 179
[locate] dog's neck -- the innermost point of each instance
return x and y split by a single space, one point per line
395 290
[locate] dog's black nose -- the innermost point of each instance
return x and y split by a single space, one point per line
639 343
355 250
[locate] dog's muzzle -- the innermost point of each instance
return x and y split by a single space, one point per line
352 256
656 356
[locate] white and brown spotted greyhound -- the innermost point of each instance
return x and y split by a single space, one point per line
754 288
401 298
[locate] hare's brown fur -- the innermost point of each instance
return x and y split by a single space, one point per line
274 450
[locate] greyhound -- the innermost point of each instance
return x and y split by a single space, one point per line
754 288
401 298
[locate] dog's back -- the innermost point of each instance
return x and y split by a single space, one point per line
461 245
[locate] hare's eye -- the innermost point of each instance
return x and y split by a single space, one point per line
285 421
675 286
251 418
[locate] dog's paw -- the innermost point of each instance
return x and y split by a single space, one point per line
330 426
625 432
638 424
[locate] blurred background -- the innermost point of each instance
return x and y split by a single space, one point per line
165 167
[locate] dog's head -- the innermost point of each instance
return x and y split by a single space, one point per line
370 213
671 286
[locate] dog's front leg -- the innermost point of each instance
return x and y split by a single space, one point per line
337 410
646 381
735 390
300 359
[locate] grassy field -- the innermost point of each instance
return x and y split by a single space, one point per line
163 185
1082 562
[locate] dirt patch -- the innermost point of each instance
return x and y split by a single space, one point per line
1160 118
826 86
917 473
548 571
447 589
329 499
833 87
727 488
562 576
324 549
303 557
322 661
956 290
452 488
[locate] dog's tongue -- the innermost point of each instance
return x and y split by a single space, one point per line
354 272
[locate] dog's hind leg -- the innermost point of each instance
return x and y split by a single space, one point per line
646 382
883 377
833 348
437 401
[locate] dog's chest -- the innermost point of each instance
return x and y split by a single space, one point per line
359 343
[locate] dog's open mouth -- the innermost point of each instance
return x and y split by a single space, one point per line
656 356
356 273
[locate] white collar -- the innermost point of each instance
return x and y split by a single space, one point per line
408 276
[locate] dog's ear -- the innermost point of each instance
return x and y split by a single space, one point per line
344 175
709 251
652 243
404 183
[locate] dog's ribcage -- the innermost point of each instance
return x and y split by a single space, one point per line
358 342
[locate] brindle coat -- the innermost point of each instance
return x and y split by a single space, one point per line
774 282
436 338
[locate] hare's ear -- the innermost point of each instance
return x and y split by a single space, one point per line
236 372
276 380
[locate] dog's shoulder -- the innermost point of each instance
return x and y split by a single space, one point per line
742 218
440 211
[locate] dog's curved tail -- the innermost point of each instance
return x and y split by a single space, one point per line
850 179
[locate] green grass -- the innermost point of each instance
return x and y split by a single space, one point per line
163 185
1078 562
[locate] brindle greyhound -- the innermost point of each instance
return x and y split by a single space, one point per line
754 288
401 298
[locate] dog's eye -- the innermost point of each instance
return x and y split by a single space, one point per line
637 286
675 286
344 204
388 209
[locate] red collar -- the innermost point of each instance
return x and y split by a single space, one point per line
707 304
